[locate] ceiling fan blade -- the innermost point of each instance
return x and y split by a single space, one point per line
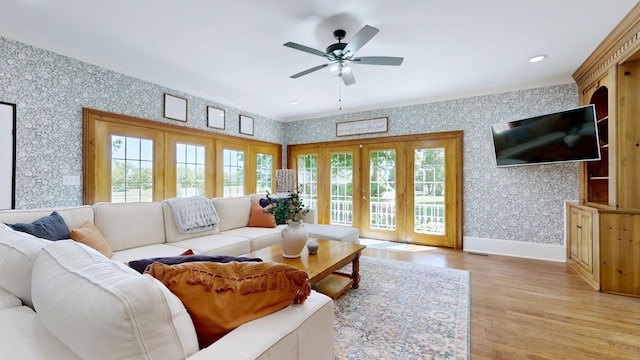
305 49
348 79
362 37
379 60
308 71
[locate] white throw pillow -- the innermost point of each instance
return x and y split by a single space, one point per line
18 251
102 309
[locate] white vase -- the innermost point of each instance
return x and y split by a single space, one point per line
293 239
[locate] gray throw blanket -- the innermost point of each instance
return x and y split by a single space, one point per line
193 214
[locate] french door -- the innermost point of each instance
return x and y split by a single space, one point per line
382 182
407 191
433 202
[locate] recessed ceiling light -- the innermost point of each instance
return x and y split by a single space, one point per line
294 103
537 58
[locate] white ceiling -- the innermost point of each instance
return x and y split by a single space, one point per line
231 51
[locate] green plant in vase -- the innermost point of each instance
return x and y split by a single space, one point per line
286 209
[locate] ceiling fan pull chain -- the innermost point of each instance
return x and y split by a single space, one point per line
339 94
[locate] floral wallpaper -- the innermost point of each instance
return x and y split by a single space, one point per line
523 203
50 91
516 203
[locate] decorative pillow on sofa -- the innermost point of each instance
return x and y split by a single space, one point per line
50 227
142 264
259 218
102 310
89 235
221 297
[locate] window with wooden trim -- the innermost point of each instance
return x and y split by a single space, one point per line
131 169
233 172
127 159
264 173
190 174
192 167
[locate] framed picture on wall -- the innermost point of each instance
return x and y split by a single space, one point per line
175 107
7 155
246 125
358 127
215 117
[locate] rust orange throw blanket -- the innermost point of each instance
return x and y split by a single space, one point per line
222 296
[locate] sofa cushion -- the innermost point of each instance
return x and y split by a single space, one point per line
142 264
18 251
8 300
171 230
89 235
50 227
258 237
22 336
258 218
233 212
130 225
112 312
221 297
217 244
304 331
155 250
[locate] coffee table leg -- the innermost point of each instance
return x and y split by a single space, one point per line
355 274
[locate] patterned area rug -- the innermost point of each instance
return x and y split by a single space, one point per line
403 311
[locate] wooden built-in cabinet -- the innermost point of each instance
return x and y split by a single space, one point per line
603 228
582 250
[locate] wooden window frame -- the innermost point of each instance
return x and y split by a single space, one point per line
98 125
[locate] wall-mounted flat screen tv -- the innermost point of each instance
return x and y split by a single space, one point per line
570 135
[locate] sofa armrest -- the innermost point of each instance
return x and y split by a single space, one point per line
297 332
311 217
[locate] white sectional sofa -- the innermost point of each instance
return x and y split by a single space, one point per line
64 300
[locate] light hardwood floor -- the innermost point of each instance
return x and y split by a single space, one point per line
533 309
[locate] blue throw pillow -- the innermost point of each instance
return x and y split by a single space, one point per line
265 202
141 265
50 227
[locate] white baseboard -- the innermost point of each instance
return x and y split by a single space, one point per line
521 249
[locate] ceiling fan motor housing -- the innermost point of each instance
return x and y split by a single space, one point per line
336 49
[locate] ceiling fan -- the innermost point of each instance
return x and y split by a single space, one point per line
342 55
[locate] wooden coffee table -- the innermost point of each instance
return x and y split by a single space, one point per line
322 267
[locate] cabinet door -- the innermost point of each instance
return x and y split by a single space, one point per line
574 234
585 237
582 246
628 147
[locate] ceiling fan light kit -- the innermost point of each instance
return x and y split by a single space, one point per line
340 67
342 55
